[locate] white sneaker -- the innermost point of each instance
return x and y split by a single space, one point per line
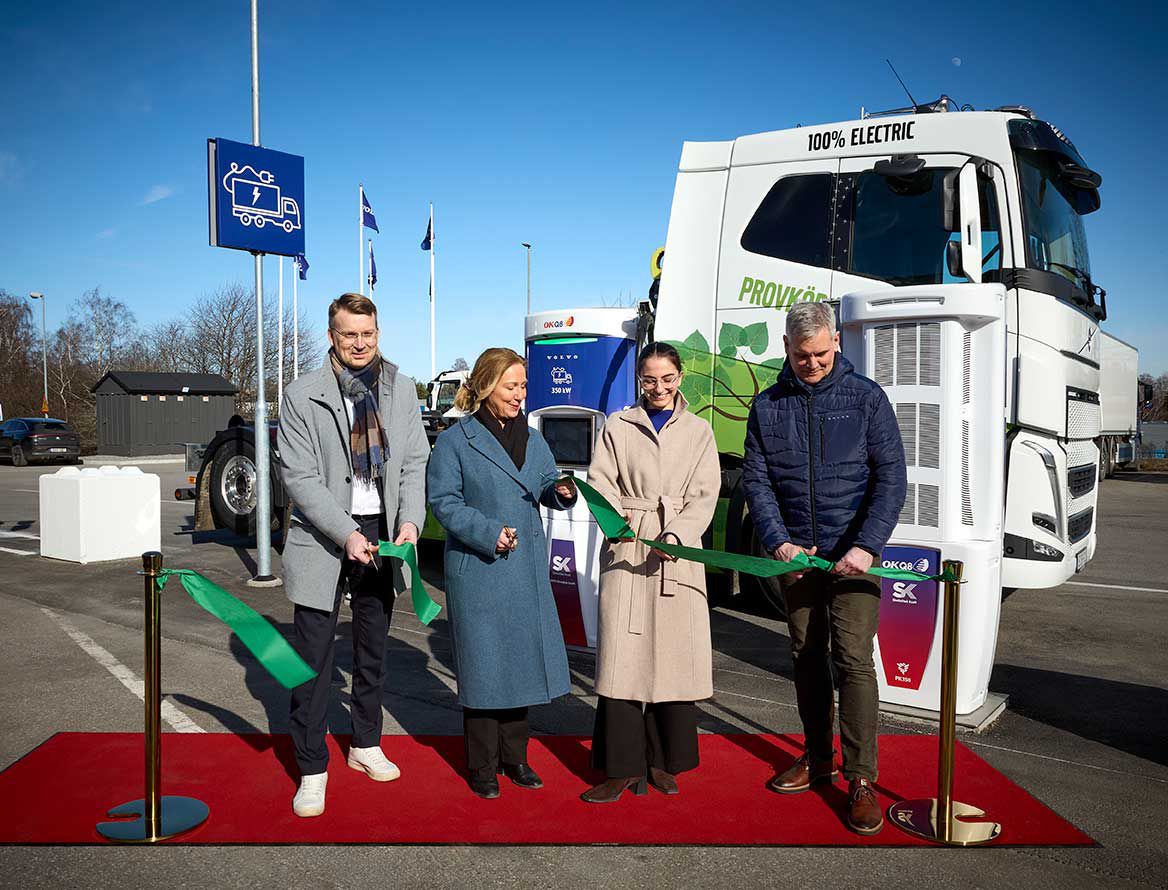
374 764
309 799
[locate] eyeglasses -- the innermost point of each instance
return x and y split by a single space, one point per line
354 336
666 381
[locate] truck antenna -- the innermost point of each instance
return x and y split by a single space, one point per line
897 76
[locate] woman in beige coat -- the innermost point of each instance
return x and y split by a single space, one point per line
658 465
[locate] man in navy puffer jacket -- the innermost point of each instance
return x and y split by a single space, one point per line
824 474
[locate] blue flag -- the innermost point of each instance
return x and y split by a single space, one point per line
428 241
368 220
372 267
302 266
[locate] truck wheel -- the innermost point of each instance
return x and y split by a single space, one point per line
245 218
18 458
233 488
260 222
287 226
770 589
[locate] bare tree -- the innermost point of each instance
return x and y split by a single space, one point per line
20 389
460 365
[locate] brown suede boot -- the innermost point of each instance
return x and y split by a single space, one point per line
864 814
805 772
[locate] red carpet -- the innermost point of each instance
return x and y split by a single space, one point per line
59 791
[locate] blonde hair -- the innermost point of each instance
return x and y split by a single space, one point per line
489 369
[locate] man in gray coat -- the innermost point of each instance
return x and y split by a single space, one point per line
353 455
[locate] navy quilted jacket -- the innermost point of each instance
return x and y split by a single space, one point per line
824 464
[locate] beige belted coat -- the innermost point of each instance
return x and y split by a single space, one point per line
654 634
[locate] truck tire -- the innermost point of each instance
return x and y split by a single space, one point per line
769 588
233 488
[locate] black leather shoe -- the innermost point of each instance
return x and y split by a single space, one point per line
664 782
486 787
521 774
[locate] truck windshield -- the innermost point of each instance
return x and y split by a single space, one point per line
445 398
1055 238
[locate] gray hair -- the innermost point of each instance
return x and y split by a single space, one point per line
805 320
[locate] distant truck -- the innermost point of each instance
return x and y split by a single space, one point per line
223 472
1119 399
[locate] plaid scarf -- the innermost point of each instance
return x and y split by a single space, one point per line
366 438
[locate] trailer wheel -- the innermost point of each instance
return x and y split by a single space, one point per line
245 218
260 222
233 488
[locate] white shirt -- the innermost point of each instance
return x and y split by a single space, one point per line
366 497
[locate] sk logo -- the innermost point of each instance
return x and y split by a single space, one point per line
902 592
562 564
902 666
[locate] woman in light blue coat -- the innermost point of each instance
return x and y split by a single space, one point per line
487 476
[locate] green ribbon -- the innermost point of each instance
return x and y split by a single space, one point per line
614 527
263 641
424 607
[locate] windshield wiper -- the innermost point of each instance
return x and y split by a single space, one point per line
1095 294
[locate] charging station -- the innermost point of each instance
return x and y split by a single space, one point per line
581 367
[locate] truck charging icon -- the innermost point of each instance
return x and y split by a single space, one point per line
255 198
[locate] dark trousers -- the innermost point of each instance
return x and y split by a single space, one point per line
631 736
833 619
315 639
494 737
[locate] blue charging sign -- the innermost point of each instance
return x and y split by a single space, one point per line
587 372
256 198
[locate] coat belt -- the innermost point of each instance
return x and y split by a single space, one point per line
666 508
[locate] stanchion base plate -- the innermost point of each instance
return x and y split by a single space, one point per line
178 814
919 817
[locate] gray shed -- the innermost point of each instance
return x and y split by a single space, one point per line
142 412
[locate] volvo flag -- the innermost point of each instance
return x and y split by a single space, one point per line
427 242
367 218
302 266
372 267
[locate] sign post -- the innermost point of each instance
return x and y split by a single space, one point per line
257 204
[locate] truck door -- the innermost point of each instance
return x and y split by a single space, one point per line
776 251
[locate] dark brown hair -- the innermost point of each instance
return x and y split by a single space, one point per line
657 349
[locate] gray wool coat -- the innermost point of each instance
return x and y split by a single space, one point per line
317 470
504 627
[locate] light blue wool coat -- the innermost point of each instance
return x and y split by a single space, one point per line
504 628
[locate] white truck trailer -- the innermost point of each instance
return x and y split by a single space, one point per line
1119 403
954 245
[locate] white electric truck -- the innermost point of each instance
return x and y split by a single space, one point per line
954 246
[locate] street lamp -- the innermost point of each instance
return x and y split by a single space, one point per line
528 246
36 295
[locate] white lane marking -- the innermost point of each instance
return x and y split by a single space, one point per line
769 701
29 535
18 552
1102 769
172 715
1115 587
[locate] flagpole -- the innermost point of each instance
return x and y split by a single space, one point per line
280 341
433 295
361 234
295 324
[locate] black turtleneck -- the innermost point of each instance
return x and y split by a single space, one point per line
512 434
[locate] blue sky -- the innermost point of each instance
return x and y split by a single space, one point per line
556 124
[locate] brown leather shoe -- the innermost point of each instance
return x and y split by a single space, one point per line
664 782
610 790
805 772
864 814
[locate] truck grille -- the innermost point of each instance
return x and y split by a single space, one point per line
1080 480
1083 415
1079 525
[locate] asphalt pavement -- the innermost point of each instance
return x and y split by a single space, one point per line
1085 666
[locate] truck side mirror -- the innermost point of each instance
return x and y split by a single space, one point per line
970 219
953 258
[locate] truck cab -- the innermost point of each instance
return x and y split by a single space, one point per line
907 220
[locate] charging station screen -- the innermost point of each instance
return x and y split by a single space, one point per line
587 372
570 439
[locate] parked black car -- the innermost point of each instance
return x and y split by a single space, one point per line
24 439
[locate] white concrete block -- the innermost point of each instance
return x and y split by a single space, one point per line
95 514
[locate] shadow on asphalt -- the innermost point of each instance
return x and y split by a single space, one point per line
1124 716
1153 478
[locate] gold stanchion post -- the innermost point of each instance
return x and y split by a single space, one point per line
940 819
158 817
